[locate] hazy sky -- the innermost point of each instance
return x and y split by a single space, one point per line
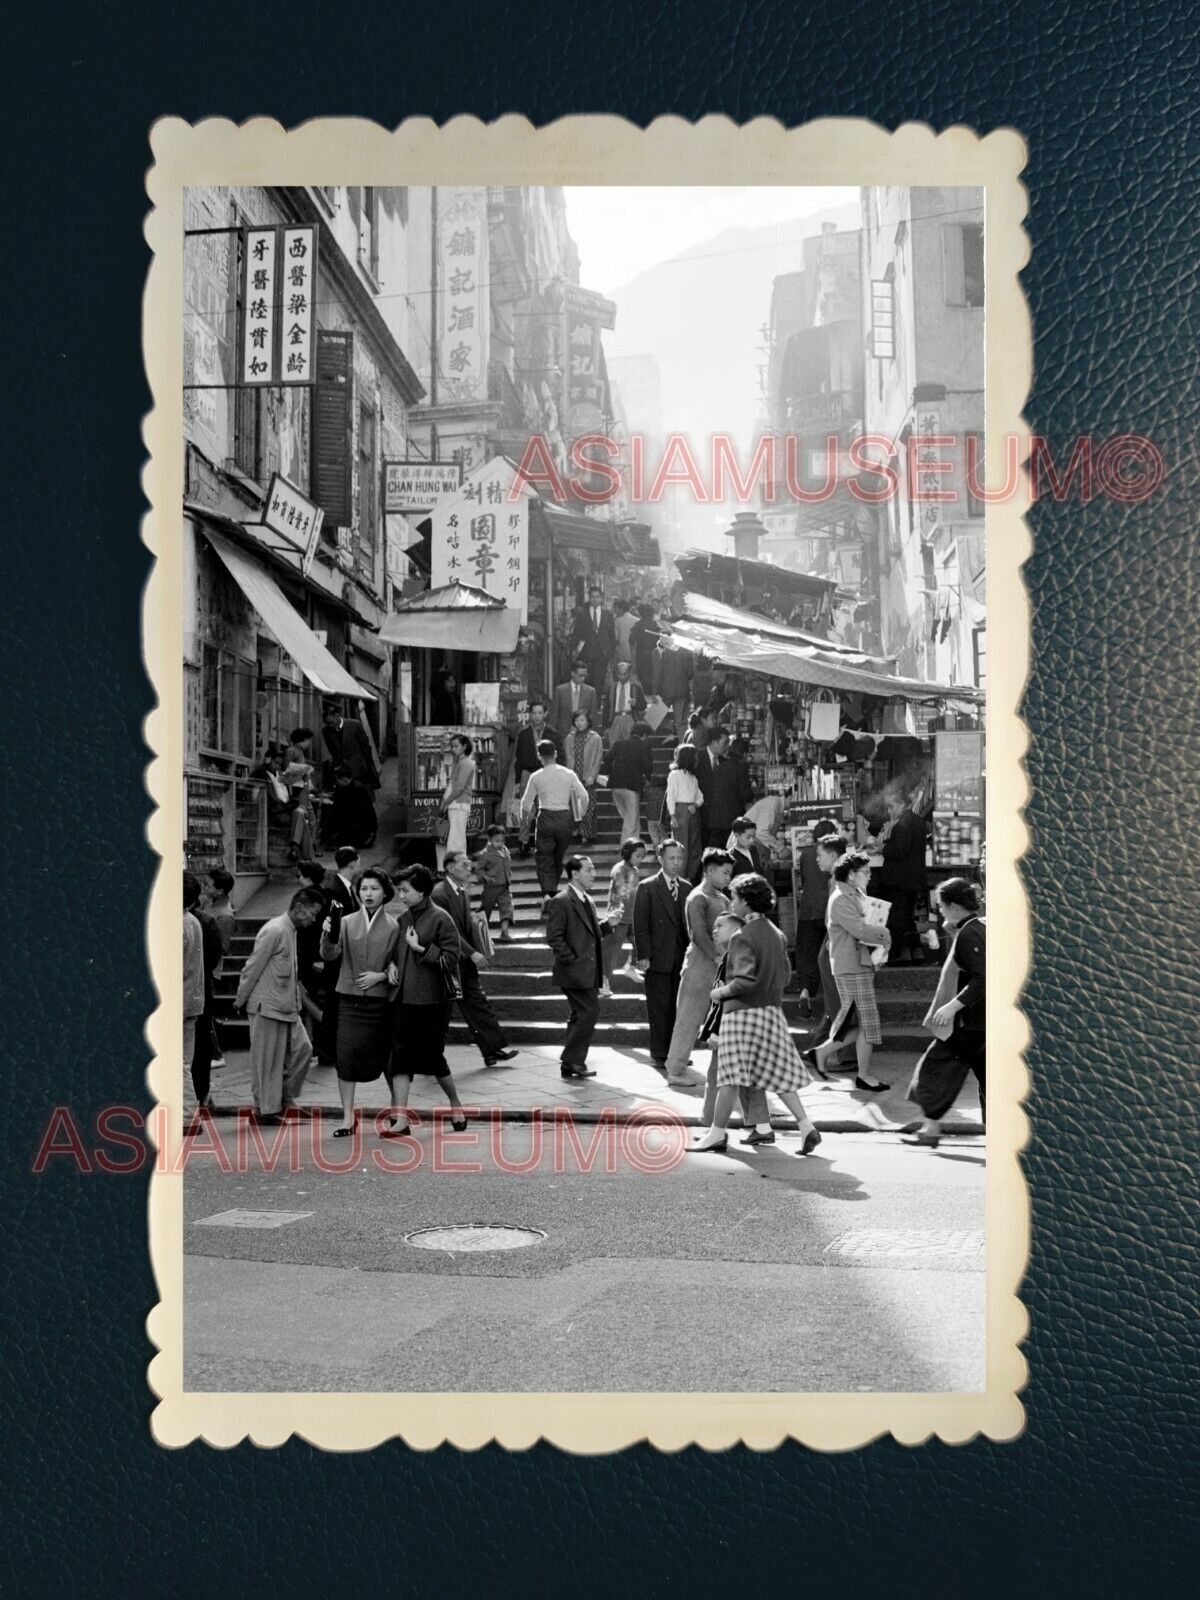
620 232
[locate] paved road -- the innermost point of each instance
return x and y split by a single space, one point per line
859 1268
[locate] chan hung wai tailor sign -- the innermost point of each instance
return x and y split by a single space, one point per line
419 485
481 536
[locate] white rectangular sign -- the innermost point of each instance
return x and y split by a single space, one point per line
419 485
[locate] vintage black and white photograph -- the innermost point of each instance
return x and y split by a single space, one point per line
585 918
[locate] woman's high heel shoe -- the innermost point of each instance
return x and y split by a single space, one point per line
458 1124
710 1149
871 1088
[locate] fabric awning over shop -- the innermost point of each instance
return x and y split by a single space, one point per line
455 617
294 635
773 658
699 608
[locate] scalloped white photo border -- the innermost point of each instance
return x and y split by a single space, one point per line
582 150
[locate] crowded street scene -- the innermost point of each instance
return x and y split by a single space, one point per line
584 793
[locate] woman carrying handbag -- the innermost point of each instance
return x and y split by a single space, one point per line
424 977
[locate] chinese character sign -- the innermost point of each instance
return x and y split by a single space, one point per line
298 282
259 285
464 302
279 277
419 485
481 537
585 314
293 516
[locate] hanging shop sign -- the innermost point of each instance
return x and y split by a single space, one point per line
279 277
481 536
294 517
464 304
584 313
419 485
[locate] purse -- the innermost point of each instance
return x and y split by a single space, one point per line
441 828
824 717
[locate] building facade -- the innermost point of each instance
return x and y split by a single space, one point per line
923 346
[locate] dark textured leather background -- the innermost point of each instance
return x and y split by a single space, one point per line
1099 1495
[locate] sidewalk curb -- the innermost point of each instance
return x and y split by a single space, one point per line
588 1116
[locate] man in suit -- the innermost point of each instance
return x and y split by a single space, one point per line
660 940
675 684
578 695
813 875
453 896
341 897
347 745
594 638
630 769
574 932
269 990
623 704
526 760
726 787
902 879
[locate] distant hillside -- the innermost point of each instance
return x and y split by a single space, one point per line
700 314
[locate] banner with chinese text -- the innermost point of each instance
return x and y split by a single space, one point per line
481 536
463 311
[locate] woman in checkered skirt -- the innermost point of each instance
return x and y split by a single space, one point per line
851 940
756 1049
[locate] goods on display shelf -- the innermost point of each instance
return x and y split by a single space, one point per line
431 773
205 811
803 817
957 839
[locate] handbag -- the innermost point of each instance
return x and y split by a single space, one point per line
441 828
277 789
482 934
824 717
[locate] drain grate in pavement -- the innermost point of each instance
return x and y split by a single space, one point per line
252 1219
915 1244
471 1236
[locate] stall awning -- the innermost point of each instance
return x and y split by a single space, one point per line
773 658
322 669
699 608
457 616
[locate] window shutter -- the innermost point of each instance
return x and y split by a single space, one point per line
952 264
331 427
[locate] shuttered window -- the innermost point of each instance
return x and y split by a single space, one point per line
883 331
332 428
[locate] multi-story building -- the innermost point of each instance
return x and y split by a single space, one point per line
271 630
814 396
923 346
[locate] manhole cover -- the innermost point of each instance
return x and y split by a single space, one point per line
474 1236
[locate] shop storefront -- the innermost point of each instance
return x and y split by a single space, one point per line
257 664
827 731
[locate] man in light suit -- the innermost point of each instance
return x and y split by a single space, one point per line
660 941
623 705
269 990
574 932
594 638
453 896
578 695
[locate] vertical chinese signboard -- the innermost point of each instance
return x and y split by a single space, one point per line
463 314
584 314
279 277
298 284
259 286
481 536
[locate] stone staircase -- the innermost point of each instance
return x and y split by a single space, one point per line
533 1012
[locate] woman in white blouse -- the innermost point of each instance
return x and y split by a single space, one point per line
683 807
